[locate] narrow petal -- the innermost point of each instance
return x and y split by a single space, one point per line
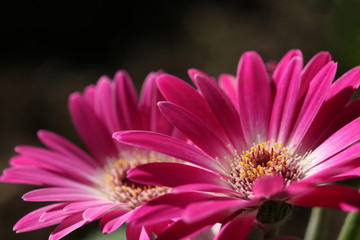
254 97
283 64
65 147
314 66
266 187
330 196
168 145
228 84
31 221
223 110
61 194
67 226
197 132
126 102
91 130
138 233
239 226
314 98
182 94
91 214
337 142
114 219
203 187
285 101
338 97
172 175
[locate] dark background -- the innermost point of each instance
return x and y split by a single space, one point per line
48 50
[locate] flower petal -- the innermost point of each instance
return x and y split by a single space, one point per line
61 194
268 186
67 226
255 102
283 64
168 145
114 219
228 84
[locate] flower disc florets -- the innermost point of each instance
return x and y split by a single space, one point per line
261 160
120 189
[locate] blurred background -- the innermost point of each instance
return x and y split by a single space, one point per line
48 51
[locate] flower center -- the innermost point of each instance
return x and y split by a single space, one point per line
262 160
120 189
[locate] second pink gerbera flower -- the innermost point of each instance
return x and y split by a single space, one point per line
258 145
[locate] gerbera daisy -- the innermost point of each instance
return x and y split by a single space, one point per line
95 186
259 144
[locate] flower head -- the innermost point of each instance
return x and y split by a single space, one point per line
258 145
96 186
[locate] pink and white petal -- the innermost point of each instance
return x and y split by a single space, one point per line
192 72
67 226
170 146
83 205
166 207
254 102
104 104
89 95
285 101
268 187
65 147
329 196
238 227
283 64
228 84
126 102
340 140
57 213
114 219
314 98
353 172
339 95
223 110
182 94
201 210
31 221
312 68
173 175
91 130
62 194
196 131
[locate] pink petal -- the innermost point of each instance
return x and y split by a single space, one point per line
283 64
254 98
61 194
330 196
88 204
126 102
168 145
31 221
311 69
228 84
223 110
205 209
285 101
91 130
166 207
172 175
314 98
182 94
243 221
339 95
114 219
65 147
138 233
93 213
203 187
67 226
268 186
150 96
337 142
104 105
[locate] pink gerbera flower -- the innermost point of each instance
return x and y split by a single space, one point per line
258 145
91 187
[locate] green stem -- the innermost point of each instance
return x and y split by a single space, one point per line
317 225
351 227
